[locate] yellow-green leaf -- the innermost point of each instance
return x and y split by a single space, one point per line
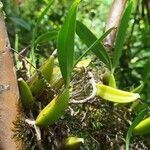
115 95
54 110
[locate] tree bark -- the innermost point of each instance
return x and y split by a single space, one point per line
114 20
8 91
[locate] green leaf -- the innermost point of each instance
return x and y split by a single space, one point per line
89 39
137 120
41 17
146 71
54 110
139 88
46 37
66 43
121 35
24 24
35 31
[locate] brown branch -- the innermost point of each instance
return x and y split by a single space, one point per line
8 91
114 20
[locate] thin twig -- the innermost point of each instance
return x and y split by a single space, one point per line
22 57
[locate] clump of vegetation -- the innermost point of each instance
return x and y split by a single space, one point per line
75 99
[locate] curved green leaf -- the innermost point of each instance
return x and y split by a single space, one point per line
121 35
137 120
33 46
66 43
46 37
19 21
41 17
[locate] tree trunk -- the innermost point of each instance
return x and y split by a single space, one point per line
8 91
114 20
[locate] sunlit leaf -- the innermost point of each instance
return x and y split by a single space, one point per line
137 120
120 38
66 43
143 128
89 39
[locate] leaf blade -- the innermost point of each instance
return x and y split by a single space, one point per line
139 118
21 22
50 35
65 43
121 35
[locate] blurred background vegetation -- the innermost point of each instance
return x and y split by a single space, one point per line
21 17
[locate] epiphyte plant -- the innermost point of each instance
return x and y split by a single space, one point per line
56 108
51 112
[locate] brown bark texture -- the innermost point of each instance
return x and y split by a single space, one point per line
113 20
8 91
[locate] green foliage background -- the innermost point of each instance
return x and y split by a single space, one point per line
21 17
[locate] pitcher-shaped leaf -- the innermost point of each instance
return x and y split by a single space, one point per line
66 43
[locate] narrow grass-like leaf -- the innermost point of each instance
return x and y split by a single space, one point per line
41 17
121 35
146 71
66 43
137 120
89 39
95 44
139 88
33 59
22 23
46 37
